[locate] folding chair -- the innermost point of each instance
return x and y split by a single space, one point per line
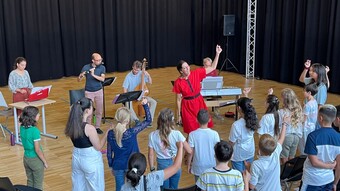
6 112
190 188
292 171
76 95
6 184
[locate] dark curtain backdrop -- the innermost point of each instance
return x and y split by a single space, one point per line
58 36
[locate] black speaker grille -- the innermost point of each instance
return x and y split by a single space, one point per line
229 25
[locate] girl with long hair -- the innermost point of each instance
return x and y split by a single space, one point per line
291 107
163 143
317 74
269 123
242 134
34 159
87 161
136 180
122 142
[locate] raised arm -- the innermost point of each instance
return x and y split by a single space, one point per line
246 91
327 70
286 120
168 172
214 63
305 70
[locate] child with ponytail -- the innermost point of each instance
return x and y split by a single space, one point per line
136 180
269 123
242 134
87 160
122 142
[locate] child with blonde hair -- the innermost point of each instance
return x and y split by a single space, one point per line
163 143
265 171
122 142
291 107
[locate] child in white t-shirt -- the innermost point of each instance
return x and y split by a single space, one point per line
265 172
242 134
310 111
202 142
269 123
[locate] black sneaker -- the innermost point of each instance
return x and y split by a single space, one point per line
99 131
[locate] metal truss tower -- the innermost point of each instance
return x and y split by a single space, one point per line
251 31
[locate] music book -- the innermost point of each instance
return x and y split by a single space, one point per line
39 93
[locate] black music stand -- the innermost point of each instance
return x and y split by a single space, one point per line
107 82
127 97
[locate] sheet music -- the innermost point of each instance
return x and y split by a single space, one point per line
35 89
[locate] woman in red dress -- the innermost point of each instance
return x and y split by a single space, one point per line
187 88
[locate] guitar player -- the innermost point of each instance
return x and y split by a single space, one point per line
132 81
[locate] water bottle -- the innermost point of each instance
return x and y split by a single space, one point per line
12 139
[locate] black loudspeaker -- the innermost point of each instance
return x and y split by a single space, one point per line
229 25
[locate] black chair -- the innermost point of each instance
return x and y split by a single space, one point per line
190 188
19 187
6 184
76 95
291 171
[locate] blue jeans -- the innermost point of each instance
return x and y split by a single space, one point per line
326 187
173 181
239 165
119 178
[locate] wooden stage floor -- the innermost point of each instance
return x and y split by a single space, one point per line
58 152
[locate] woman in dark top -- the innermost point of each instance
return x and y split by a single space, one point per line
87 161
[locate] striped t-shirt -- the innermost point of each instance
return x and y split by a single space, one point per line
215 180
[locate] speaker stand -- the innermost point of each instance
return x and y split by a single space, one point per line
227 60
